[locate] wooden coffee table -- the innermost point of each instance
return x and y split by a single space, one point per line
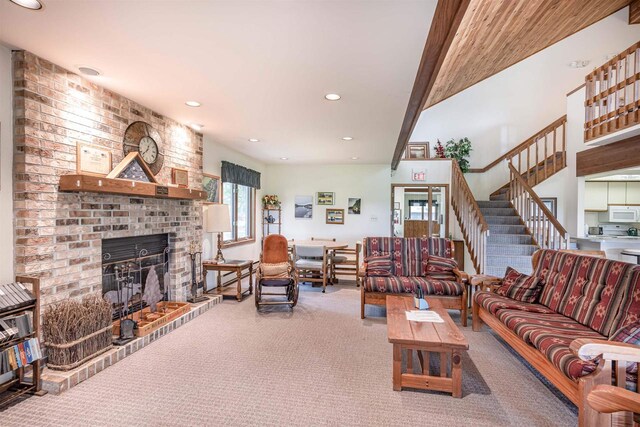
425 337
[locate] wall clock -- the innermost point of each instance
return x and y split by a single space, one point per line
144 139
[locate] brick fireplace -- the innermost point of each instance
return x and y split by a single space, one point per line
58 235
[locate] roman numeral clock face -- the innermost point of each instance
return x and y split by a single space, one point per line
144 139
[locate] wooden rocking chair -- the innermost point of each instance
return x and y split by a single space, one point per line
276 271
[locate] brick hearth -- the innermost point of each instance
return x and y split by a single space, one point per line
58 235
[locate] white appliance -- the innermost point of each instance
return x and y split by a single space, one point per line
623 213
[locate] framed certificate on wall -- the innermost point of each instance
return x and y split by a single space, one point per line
92 160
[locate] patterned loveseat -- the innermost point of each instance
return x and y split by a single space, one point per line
576 297
396 265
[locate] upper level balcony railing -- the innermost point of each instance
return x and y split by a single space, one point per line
613 95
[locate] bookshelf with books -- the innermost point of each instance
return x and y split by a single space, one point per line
20 352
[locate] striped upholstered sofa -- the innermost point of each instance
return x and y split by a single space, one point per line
579 300
397 265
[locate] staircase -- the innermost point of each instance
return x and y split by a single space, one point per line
509 227
509 243
535 175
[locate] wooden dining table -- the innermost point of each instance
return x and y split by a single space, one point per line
329 245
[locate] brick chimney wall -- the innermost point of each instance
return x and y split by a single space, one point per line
58 235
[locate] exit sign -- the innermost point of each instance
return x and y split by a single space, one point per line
419 175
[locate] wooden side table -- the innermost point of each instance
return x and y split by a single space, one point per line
233 265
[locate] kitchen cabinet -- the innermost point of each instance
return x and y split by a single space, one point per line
595 196
617 193
633 193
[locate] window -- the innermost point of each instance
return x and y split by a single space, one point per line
242 201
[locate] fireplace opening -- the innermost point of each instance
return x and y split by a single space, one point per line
128 267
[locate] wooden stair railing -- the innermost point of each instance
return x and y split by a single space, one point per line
537 156
546 230
475 229
612 95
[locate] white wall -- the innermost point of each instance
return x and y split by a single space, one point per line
213 155
507 108
6 167
371 183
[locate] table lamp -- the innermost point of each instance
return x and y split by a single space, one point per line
218 221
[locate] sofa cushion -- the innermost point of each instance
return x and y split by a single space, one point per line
524 324
407 254
519 287
275 270
629 334
584 288
399 284
493 303
556 348
629 303
378 265
439 268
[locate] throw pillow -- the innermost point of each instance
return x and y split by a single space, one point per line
278 270
519 287
378 265
440 268
629 334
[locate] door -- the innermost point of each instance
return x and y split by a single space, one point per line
419 210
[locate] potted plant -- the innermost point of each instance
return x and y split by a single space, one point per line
459 150
270 201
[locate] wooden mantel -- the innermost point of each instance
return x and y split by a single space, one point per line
95 184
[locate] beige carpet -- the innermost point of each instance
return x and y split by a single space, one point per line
318 365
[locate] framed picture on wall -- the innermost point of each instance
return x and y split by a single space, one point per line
325 198
303 207
212 185
92 160
550 203
355 206
335 216
417 151
397 216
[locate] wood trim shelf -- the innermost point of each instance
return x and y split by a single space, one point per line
93 184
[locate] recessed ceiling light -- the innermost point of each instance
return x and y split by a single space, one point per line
354 158
193 103
88 71
347 138
284 158
28 4
196 126
332 96
579 63
254 140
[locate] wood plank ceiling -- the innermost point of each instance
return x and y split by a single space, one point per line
495 34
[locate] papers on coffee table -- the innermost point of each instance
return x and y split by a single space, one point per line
424 316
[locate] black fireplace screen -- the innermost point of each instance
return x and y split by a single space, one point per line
129 266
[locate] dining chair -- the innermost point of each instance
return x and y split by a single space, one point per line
310 264
346 262
330 257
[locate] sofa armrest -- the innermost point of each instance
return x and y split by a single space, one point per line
589 349
608 399
362 270
461 276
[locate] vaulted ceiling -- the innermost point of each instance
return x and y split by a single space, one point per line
495 34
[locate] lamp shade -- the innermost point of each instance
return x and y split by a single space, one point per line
218 219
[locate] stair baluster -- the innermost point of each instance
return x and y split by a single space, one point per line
546 230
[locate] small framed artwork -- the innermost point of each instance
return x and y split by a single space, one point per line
212 185
550 203
325 198
92 160
418 151
303 207
397 216
180 177
335 216
354 206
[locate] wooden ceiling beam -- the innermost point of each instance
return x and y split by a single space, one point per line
446 20
634 12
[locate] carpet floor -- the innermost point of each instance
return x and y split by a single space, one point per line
317 365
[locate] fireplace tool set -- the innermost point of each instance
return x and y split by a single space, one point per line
196 275
128 279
